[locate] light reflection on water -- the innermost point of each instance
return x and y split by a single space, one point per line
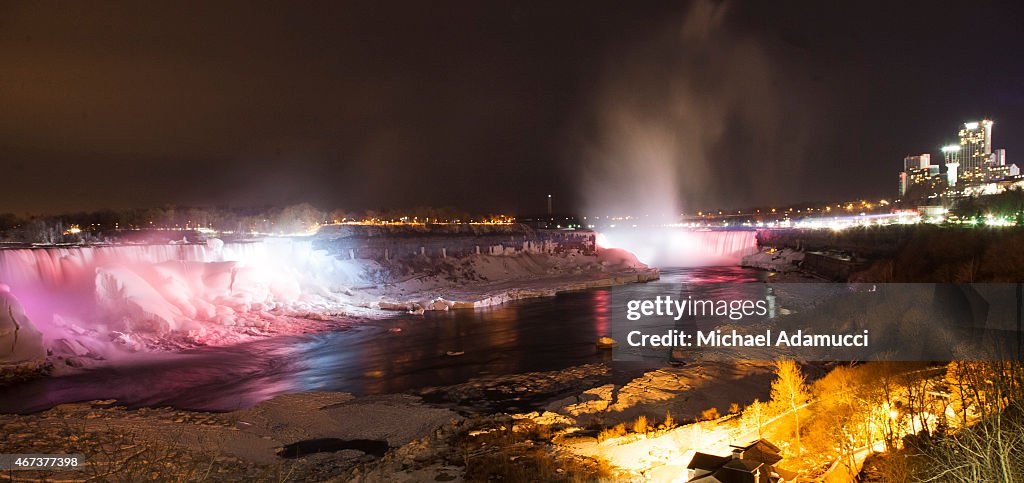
367 357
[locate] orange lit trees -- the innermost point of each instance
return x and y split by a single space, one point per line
849 415
790 391
757 414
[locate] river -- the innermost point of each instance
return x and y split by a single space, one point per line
392 354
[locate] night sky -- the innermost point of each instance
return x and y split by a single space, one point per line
489 106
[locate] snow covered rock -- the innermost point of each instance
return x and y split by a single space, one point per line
19 339
127 296
619 258
785 260
438 304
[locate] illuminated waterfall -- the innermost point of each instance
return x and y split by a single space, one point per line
162 288
677 247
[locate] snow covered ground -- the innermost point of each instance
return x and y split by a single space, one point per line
484 280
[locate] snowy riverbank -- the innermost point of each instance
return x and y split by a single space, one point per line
784 260
482 280
437 434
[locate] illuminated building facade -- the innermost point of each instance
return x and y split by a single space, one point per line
920 177
922 183
975 145
920 161
972 166
998 157
951 154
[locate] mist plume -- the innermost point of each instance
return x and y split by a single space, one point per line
657 139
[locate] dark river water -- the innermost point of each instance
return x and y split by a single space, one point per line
393 354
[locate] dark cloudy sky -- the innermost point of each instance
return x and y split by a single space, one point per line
487 105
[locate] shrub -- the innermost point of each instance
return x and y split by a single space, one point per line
669 423
612 432
640 425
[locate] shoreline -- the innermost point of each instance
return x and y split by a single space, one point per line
409 436
460 299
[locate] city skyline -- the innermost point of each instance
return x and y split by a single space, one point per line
970 167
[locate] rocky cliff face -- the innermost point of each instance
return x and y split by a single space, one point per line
406 244
918 253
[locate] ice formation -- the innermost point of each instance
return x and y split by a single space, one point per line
82 298
19 339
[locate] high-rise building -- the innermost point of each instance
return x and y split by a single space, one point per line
921 161
998 157
975 145
918 172
951 154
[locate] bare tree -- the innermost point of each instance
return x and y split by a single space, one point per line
790 390
756 412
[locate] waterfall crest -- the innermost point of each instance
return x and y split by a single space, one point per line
85 294
678 247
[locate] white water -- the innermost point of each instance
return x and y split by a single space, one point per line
64 268
678 247
92 295
72 267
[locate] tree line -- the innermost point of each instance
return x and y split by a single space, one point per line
963 421
105 225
